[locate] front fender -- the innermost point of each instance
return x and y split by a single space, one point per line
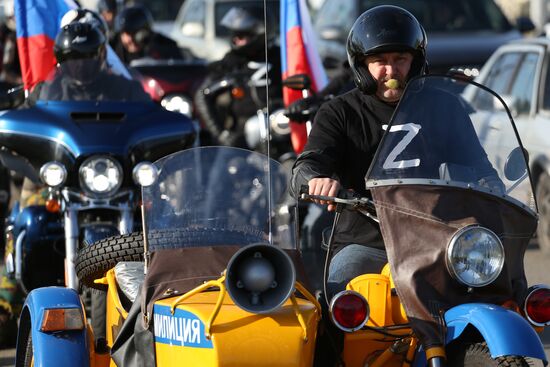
64 348
505 331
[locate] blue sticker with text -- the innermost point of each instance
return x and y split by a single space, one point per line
182 328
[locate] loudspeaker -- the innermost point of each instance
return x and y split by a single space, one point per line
260 278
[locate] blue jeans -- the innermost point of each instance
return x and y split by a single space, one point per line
352 261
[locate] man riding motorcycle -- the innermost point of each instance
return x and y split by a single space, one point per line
347 131
223 108
350 126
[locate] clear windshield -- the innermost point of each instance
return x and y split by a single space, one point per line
439 136
87 80
217 196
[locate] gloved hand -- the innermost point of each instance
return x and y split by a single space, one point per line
303 109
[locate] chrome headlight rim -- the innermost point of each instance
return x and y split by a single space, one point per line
90 190
177 102
46 167
450 249
138 179
280 124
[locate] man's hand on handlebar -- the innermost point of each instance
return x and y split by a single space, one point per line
324 186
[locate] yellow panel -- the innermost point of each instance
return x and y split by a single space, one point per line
398 312
239 338
376 289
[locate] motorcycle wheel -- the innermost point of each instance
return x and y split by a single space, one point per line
478 355
24 342
543 202
93 261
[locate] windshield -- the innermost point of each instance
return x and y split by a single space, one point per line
89 80
438 136
217 196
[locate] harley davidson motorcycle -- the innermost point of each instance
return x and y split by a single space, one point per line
223 283
89 158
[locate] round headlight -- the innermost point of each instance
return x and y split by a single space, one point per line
178 103
145 174
100 175
53 174
475 256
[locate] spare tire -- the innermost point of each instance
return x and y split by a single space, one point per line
93 261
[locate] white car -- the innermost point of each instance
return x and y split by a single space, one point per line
520 73
197 26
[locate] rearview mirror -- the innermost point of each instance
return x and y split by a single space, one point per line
297 82
515 166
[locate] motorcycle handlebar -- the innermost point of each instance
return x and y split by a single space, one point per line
346 197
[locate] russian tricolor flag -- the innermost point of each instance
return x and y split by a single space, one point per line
38 22
299 56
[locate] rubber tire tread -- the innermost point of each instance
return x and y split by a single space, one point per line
93 261
478 355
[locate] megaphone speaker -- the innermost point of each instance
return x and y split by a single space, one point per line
260 278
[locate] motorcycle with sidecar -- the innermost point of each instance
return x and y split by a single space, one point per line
221 283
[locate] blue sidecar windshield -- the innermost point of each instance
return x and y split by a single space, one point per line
452 132
217 196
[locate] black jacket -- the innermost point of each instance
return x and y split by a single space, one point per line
341 145
159 47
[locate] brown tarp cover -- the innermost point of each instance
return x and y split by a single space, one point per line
183 269
418 222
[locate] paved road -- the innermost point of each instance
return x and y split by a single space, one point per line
536 267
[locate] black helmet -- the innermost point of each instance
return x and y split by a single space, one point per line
106 5
133 19
85 16
80 51
384 28
79 41
247 23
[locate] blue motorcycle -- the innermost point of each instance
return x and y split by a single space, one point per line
85 160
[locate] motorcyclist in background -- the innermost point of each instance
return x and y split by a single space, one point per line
135 38
10 76
223 111
107 9
83 73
